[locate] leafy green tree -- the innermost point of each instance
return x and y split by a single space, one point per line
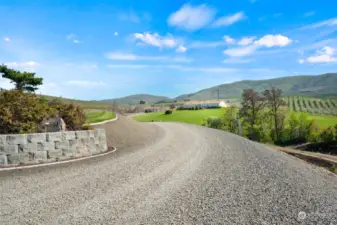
231 121
275 103
251 110
23 81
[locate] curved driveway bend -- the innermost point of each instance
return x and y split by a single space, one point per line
171 173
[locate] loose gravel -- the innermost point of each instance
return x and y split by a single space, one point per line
171 173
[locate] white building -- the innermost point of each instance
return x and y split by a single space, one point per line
206 104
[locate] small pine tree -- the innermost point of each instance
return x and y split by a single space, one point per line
23 81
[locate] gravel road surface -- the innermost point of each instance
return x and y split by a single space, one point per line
171 173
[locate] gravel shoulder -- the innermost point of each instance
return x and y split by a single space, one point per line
172 173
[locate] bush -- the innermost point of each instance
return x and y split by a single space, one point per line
73 115
327 135
168 112
214 122
22 112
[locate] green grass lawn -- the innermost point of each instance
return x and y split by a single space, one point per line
99 116
199 116
186 116
324 121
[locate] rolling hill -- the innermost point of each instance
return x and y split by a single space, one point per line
135 99
297 85
320 85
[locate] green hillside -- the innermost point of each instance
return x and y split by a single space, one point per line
135 99
82 103
325 84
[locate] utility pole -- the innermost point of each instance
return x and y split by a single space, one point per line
218 91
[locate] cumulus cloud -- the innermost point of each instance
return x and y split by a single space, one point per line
229 40
250 46
116 33
7 39
181 49
325 55
229 20
156 40
192 18
273 40
246 41
322 59
85 83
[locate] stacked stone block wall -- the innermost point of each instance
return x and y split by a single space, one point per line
16 149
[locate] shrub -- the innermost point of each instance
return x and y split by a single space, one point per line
327 135
214 122
22 112
168 112
73 115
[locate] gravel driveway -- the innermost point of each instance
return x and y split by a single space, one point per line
171 173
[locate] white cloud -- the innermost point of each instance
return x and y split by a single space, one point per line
116 33
7 39
229 20
76 41
133 57
191 18
246 41
241 51
321 59
85 83
273 40
311 13
156 40
229 40
181 49
326 50
325 55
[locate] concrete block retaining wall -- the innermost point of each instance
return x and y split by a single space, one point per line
16 149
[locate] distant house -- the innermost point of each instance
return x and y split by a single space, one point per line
206 104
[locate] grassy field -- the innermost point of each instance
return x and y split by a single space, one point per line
186 116
199 116
99 116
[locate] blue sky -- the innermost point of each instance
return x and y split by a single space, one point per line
105 49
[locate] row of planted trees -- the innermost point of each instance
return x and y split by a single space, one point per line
264 117
22 111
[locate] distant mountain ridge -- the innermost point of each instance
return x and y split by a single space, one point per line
135 99
295 85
